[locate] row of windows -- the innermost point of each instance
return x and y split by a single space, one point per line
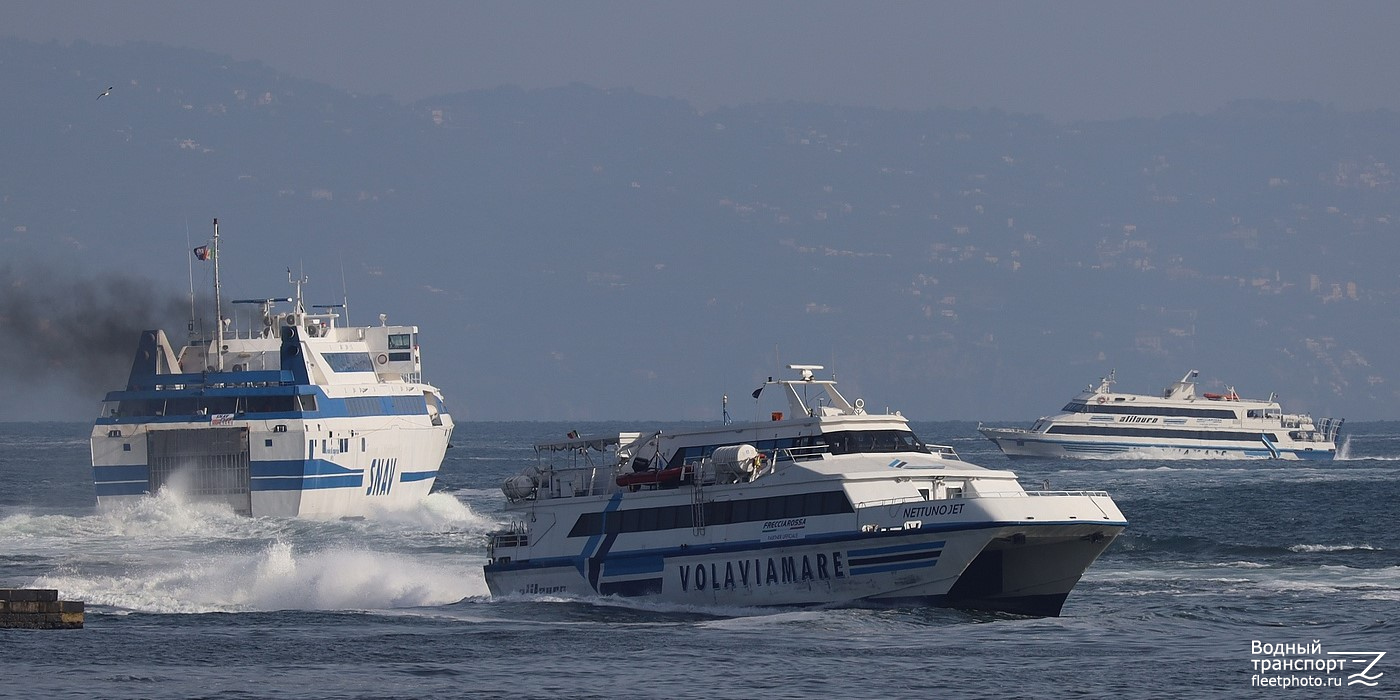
865 441
386 405
407 405
205 405
331 446
695 453
1081 407
1159 433
714 513
846 442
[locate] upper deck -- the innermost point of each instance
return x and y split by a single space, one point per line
824 437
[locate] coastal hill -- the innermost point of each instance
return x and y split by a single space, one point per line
578 253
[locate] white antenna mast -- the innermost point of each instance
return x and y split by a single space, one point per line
218 308
344 292
190 260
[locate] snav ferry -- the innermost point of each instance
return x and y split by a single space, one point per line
824 504
297 417
1180 424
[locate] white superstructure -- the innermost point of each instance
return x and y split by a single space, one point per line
1101 422
823 504
294 416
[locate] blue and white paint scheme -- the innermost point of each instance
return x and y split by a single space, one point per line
823 505
297 417
1100 423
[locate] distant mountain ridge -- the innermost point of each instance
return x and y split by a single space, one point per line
587 254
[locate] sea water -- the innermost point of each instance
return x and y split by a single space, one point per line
1223 563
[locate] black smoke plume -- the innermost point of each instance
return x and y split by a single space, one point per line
81 332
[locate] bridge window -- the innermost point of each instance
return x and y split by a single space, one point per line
865 441
348 361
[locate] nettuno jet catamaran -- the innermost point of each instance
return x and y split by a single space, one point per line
824 504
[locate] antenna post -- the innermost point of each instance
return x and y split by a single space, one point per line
218 304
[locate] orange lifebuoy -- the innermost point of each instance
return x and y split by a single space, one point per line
383 358
1103 399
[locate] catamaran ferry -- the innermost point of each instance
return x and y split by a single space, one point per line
296 417
825 504
1100 422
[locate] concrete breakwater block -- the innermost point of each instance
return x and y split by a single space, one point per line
38 608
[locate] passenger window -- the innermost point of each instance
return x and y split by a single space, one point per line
740 512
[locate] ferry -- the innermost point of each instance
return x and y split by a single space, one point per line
823 504
296 417
1179 424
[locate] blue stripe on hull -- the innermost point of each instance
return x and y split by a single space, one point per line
298 468
756 546
139 488
1112 448
125 472
629 566
408 404
270 475
878 560
631 589
883 568
292 483
896 549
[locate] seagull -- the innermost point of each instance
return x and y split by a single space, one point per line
105 93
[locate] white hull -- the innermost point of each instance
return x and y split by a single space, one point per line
1033 576
281 474
1017 444
798 574
1005 549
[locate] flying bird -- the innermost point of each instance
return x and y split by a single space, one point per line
105 93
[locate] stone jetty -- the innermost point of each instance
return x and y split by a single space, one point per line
39 609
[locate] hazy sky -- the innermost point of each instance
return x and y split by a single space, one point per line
1067 60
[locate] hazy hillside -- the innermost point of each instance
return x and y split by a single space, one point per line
576 254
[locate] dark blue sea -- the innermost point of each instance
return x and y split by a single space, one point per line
187 601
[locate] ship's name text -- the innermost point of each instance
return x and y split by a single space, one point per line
928 511
769 571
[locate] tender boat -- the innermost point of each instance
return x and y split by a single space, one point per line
296 417
1102 423
824 504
